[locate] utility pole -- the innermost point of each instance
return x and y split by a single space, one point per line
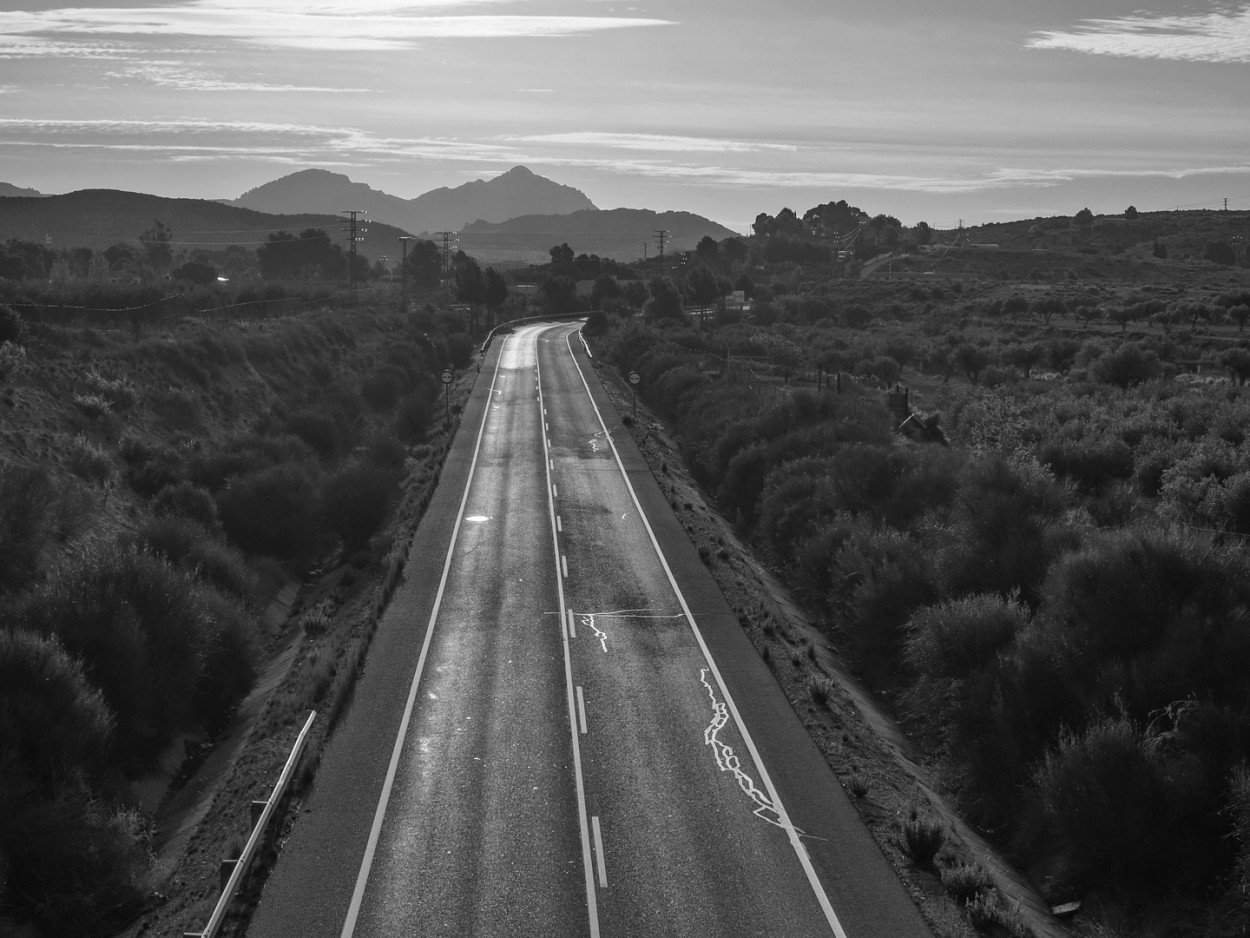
403 272
355 234
661 235
446 236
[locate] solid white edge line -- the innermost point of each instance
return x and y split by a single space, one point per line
600 860
581 709
592 901
799 849
375 832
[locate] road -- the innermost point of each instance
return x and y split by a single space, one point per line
547 739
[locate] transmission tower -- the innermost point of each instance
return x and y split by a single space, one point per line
661 236
355 234
446 236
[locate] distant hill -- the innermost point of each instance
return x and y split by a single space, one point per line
7 189
99 218
516 192
616 233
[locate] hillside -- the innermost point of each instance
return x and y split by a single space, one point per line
618 233
516 192
99 218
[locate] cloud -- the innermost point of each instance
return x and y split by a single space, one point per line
330 24
1221 36
654 142
174 75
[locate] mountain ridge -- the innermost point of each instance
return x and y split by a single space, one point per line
519 191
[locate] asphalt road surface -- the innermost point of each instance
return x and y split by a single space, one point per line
561 729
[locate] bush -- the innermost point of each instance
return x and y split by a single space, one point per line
272 511
75 865
27 498
355 502
230 656
921 840
1105 802
966 881
382 389
416 413
317 430
89 461
460 349
190 546
53 722
186 500
10 324
150 466
136 625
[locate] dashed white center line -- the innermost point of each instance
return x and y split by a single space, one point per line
564 566
559 524
572 625
555 492
581 710
602 864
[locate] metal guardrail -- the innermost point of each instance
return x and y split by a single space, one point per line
262 812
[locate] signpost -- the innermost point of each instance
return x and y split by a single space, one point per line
447 376
634 378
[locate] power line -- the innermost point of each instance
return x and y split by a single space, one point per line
355 234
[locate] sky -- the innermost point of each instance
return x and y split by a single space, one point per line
944 111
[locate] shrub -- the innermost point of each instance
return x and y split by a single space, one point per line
382 389
75 865
230 655
150 466
119 392
921 839
186 500
1104 798
355 502
272 511
27 499
53 722
89 461
966 881
460 349
12 360
317 430
92 406
415 415
10 324
193 548
137 627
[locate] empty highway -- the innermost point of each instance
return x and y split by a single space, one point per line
561 729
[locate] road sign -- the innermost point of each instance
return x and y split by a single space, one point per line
634 377
447 376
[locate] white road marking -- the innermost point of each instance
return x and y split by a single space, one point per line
559 524
564 566
579 784
379 815
602 863
572 626
581 709
800 851
555 492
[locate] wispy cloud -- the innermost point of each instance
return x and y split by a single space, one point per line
656 143
174 75
329 24
1221 35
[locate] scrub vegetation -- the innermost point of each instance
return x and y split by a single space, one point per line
1037 557
158 483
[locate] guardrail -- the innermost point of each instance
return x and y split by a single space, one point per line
233 871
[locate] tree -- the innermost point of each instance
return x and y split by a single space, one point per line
424 263
197 272
735 249
701 287
1237 361
605 288
665 301
1130 212
707 249
155 242
1160 250
1084 220
1220 252
496 291
560 294
310 256
973 360
561 254
924 234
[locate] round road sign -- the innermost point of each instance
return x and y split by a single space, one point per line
447 376
634 377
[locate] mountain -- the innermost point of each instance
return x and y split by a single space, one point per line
618 233
516 192
7 189
99 218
